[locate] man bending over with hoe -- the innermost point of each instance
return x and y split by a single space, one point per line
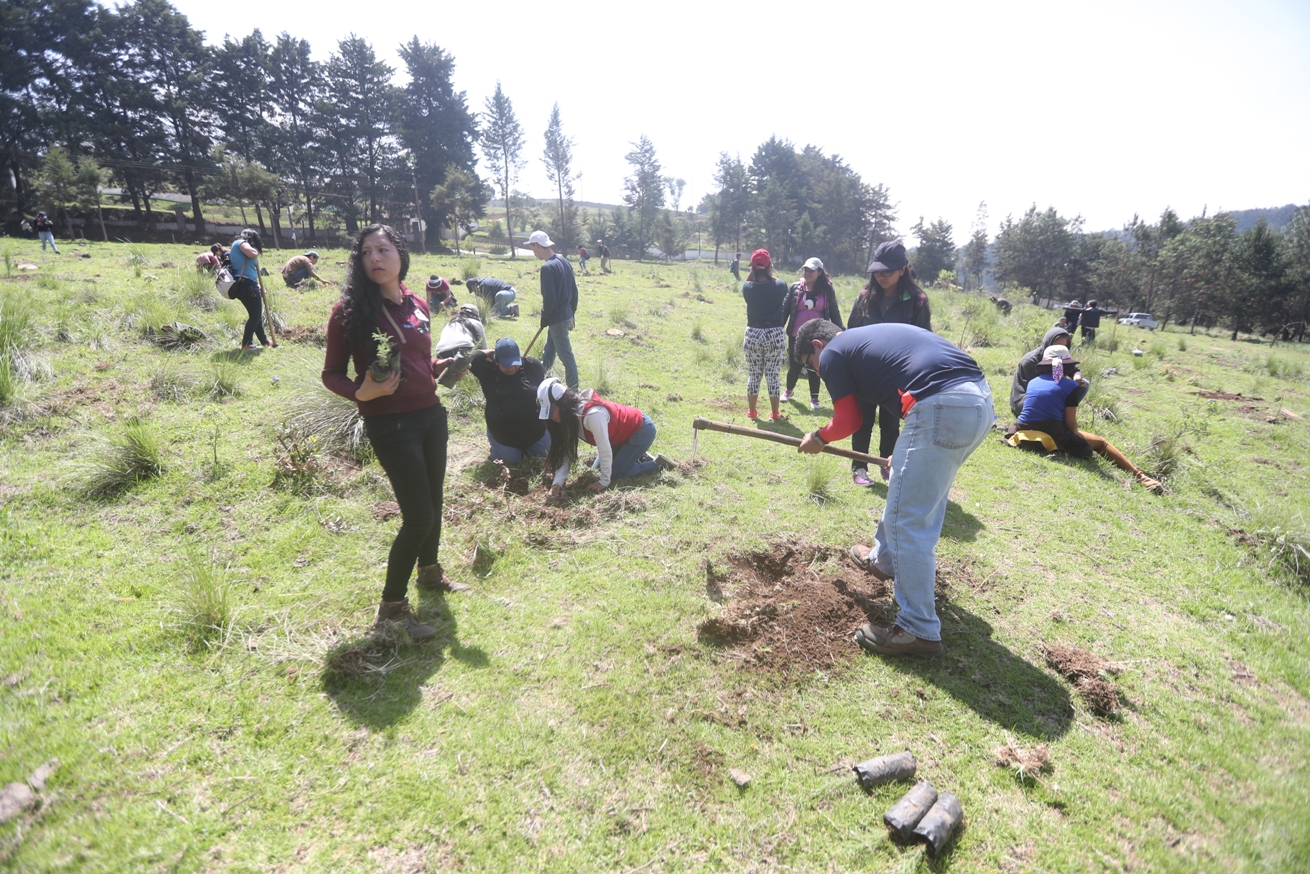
947 410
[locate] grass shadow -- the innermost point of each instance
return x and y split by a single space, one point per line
376 679
989 679
236 356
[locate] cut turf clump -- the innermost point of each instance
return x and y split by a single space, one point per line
1086 671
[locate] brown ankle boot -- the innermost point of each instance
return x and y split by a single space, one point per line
399 614
433 579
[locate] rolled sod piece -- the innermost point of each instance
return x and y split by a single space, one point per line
940 823
912 807
885 769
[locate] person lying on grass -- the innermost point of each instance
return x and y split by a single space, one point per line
1050 407
946 406
621 435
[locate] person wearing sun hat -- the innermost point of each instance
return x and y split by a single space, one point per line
440 297
890 296
621 435
509 383
1050 409
765 343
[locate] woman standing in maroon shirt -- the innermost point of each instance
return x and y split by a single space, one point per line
403 418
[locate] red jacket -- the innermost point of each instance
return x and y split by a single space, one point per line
624 420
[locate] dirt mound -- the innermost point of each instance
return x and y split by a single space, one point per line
1084 670
792 609
1225 396
313 335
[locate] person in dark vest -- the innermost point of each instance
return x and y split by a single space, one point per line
621 435
1091 320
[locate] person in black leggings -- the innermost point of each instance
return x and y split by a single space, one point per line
403 418
244 256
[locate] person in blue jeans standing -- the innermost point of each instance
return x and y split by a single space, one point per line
559 303
946 406
45 229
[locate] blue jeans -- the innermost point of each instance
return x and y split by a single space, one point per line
500 306
938 435
557 341
510 455
626 457
298 277
47 237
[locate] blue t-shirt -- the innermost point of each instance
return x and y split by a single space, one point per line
1046 399
241 265
877 363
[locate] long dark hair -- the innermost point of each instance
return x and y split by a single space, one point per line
564 433
760 274
252 237
904 284
361 299
823 283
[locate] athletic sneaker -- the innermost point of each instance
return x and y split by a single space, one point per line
252 348
814 403
664 462
785 396
751 414
861 477
776 417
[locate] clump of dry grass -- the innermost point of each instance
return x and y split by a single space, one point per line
1026 763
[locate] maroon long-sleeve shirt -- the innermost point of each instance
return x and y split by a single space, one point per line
418 388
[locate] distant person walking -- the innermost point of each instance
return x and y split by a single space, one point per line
811 297
45 229
559 304
582 258
735 267
1090 320
765 343
890 296
604 257
403 417
244 256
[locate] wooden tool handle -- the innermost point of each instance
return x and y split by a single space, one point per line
702 424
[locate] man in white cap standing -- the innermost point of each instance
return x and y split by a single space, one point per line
559 302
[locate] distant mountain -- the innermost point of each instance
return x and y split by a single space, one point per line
1276 216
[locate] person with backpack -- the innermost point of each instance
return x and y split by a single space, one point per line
244 256
811 297
621 435
395 391
890 296
45 229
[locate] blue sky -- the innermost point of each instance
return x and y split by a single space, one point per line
1103 109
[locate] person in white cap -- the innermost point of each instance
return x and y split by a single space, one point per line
621 435
810 297
559 303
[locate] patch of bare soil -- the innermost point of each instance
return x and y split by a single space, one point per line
1084 670
520 498
792 609
313 335
1225 396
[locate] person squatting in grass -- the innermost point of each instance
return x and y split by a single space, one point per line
244 256
1029 364
403 418
811 297
947 407
765 343
509 383
621 435
1050 407
440 297
890 296
300 268
559 305
498 291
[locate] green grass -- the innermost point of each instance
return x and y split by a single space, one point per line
569 716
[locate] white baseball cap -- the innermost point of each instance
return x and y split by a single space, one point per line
814 264
540 238
548 393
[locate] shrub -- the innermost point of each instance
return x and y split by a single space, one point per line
296 461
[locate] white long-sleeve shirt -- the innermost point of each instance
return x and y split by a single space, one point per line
597 423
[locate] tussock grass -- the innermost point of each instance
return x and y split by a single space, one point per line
224 382
1182 343
332 420
698 331
1282 368
204 603
821 481
603 384
175 383
469 268
618 312
120 461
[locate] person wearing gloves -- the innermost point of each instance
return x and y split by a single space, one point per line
1050 410
621 435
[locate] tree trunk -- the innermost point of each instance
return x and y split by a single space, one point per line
274 219
195 203
101 213
509 216
259 214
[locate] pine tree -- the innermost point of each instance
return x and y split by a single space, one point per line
644 191
502 145
558 158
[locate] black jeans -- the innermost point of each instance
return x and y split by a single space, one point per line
794 370
889 430
411 447
247 292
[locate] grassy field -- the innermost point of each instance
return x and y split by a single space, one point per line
188 579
